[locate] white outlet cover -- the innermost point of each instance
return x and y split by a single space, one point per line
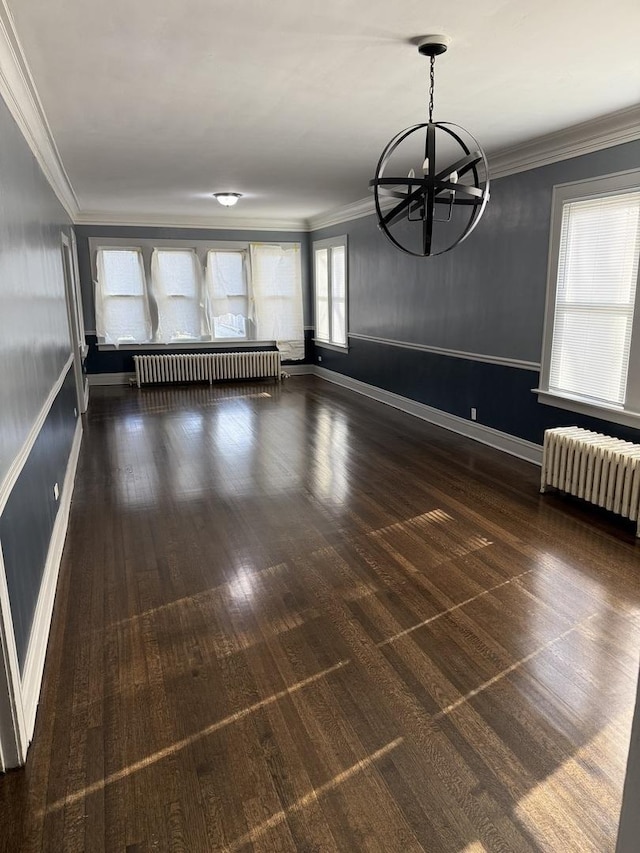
56 491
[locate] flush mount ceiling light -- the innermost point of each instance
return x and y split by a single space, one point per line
227 199
432 209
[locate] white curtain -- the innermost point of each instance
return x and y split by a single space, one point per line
177 290
122 310
276 280
227 298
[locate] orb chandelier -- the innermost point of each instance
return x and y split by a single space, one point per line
431 210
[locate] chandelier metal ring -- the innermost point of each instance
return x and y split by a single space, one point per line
440 188
422 194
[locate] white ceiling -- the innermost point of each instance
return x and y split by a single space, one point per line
156 105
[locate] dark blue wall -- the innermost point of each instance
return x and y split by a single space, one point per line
34 347
502 395
486 297
28 517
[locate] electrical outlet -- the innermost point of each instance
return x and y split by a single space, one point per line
56 491
319 358
474 414
75 412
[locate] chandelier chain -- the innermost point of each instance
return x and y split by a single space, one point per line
431 85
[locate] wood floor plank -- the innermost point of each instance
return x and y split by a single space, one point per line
293 619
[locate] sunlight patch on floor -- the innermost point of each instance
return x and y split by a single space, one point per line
435 516
455 607
577 802
239 585
275 820
178 745
491 681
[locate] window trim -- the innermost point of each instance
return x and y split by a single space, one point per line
616 183
146 245
340 241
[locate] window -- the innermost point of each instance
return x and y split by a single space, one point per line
591 357
276 284
227 293
122 313
330 277
198 293
175 277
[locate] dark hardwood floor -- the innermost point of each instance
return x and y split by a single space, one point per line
292 619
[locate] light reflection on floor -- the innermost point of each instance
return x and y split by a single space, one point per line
330 462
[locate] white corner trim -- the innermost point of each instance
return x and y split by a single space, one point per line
185 346
453 353
37 649
19 92
210 223
23 454
593 410
585 138
329 345
111 379
13 729
345 213
471 429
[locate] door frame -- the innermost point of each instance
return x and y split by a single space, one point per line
75 316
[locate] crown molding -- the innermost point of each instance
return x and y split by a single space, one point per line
151 220
584 138
21 97
18 90
355 210
336 215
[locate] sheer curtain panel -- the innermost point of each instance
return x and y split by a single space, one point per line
122 311
177 290
276 279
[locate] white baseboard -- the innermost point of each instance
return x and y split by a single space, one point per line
37 649
471 429
298 369
111 378
13 739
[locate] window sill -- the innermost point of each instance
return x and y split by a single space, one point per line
188 345
594 410
336 347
